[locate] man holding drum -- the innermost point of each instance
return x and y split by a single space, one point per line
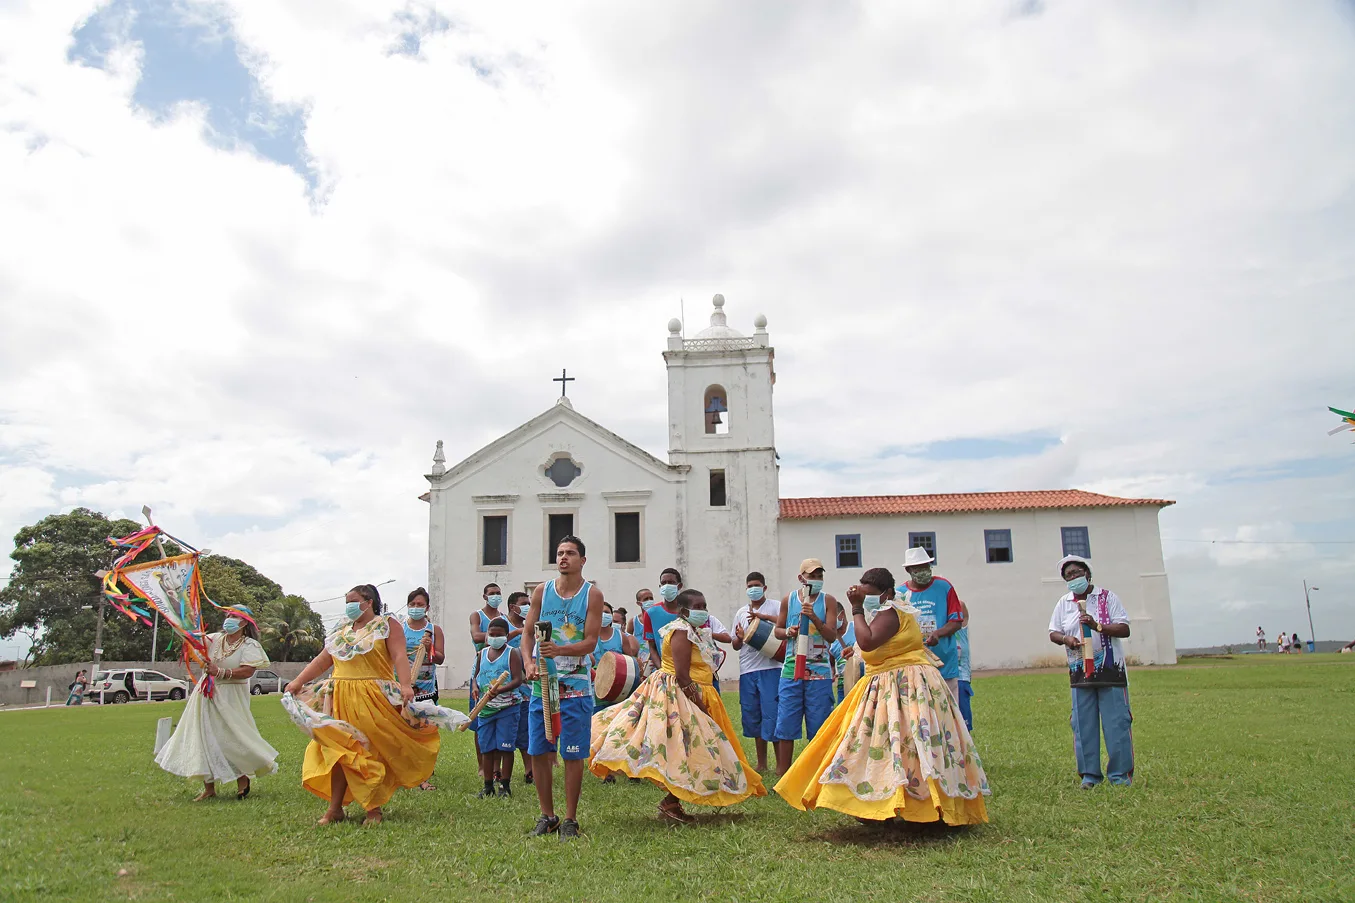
759 672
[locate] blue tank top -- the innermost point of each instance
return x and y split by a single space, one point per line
484 628
566 617
488 671
659 618
612 645
426 681
816 662
514 642
848 638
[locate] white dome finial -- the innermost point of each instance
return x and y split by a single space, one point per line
718 301
760 322
674 326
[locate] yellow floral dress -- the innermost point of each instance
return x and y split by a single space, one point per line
364 731
895 747
660 734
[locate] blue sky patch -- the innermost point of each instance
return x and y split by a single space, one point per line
190 54
974 448
415 28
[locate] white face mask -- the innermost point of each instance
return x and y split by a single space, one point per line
669 592
871 604
498 642
494 600
755 593
698 618
606 620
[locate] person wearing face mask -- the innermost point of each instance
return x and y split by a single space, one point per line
496 727
419 631
703 763
609 640
807 700
480 618
940 616
372 751
659 616
1101 701
643 599
759 676
857 767
519 604
216 739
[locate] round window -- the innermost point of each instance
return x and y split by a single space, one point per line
563 471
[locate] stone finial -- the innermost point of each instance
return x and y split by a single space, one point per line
439 461
675 326
717 316
718 301
760 323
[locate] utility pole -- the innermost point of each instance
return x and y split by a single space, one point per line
1307 601
98 636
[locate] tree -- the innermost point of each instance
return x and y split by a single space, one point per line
290 627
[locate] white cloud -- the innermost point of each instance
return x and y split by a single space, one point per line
1124 225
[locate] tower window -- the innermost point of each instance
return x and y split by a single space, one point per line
558 526
716 408
627 526
718 497
494 549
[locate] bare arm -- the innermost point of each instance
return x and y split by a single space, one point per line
477 635
828 626
528 644
395 648
439 653
319 665
780 630
630 645
681 647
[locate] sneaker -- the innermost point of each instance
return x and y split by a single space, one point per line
504 789
487 793
1089 785
609 779
546 825
569 829
528 779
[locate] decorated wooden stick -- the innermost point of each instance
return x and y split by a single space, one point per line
802 649
484 699
548 680
1088 654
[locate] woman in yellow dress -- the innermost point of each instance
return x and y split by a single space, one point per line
674 730
367 749
896 747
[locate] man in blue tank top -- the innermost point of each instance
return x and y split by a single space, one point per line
518 605
573 608
659 616
809 699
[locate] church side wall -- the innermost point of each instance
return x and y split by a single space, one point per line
1009 603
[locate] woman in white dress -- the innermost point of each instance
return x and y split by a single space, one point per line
216 739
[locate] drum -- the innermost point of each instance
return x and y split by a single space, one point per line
763 639
853 669
616 676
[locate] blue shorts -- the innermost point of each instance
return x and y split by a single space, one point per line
498 731
576 728
522 725
757 700
966 711
810 701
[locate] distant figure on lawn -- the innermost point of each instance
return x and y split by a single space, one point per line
878 756
1295 645
1260 639
1282 642
216 739
1101 701
77 689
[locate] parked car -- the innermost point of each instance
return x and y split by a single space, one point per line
265 681
113 686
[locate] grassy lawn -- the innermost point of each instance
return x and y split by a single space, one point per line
1243 791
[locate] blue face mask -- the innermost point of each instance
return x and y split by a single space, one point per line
1078 586
872 604
669 591
755 593
230 625
606 620
352 610
498 642
524 610
698 618
494 600
416 614
815 587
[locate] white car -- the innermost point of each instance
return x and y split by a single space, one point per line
112 686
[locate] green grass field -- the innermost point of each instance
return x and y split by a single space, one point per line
1243 791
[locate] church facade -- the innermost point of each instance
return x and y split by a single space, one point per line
713 510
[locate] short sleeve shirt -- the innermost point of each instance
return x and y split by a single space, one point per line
1107 652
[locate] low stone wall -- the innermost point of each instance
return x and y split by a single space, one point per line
59 677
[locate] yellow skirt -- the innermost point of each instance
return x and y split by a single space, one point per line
895 748
395 755
661 735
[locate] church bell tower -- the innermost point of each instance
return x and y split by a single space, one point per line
721 426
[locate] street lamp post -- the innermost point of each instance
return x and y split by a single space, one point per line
1307 601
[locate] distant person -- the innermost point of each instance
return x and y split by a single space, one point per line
1260 639
804 703
1349 647
965 676
759 676
77 689
1282 643
1295 645
1100 702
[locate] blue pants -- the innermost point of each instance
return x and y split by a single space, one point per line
576 728
497 731
1097 710
966 710
757 701
810 701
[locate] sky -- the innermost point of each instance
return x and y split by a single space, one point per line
260 255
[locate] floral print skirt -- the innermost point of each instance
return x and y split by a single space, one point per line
659 734
895 748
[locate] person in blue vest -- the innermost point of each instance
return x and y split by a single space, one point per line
419 631
496 727
843 648
610 639
807 701
573 608
965 675
659 616
479 630
939 617
519 603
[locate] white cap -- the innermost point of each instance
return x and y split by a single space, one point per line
1069 559
916 556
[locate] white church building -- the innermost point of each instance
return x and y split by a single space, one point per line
714 511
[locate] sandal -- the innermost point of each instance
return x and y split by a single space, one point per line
675 812
241 794
427 786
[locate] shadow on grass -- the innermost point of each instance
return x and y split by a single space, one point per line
893 834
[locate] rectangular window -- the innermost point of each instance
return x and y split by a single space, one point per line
849 551
999 545
1077 541
718 498
560 526
923 541
494 551
627 537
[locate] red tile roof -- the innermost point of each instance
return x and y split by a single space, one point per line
956 503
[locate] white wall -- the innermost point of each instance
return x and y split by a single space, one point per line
1009 604
610 482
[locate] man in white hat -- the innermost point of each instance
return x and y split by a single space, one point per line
941 614
1101 701
809 699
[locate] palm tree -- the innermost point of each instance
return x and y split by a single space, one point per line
290 625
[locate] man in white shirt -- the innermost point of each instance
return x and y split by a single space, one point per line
1101 697
759 676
